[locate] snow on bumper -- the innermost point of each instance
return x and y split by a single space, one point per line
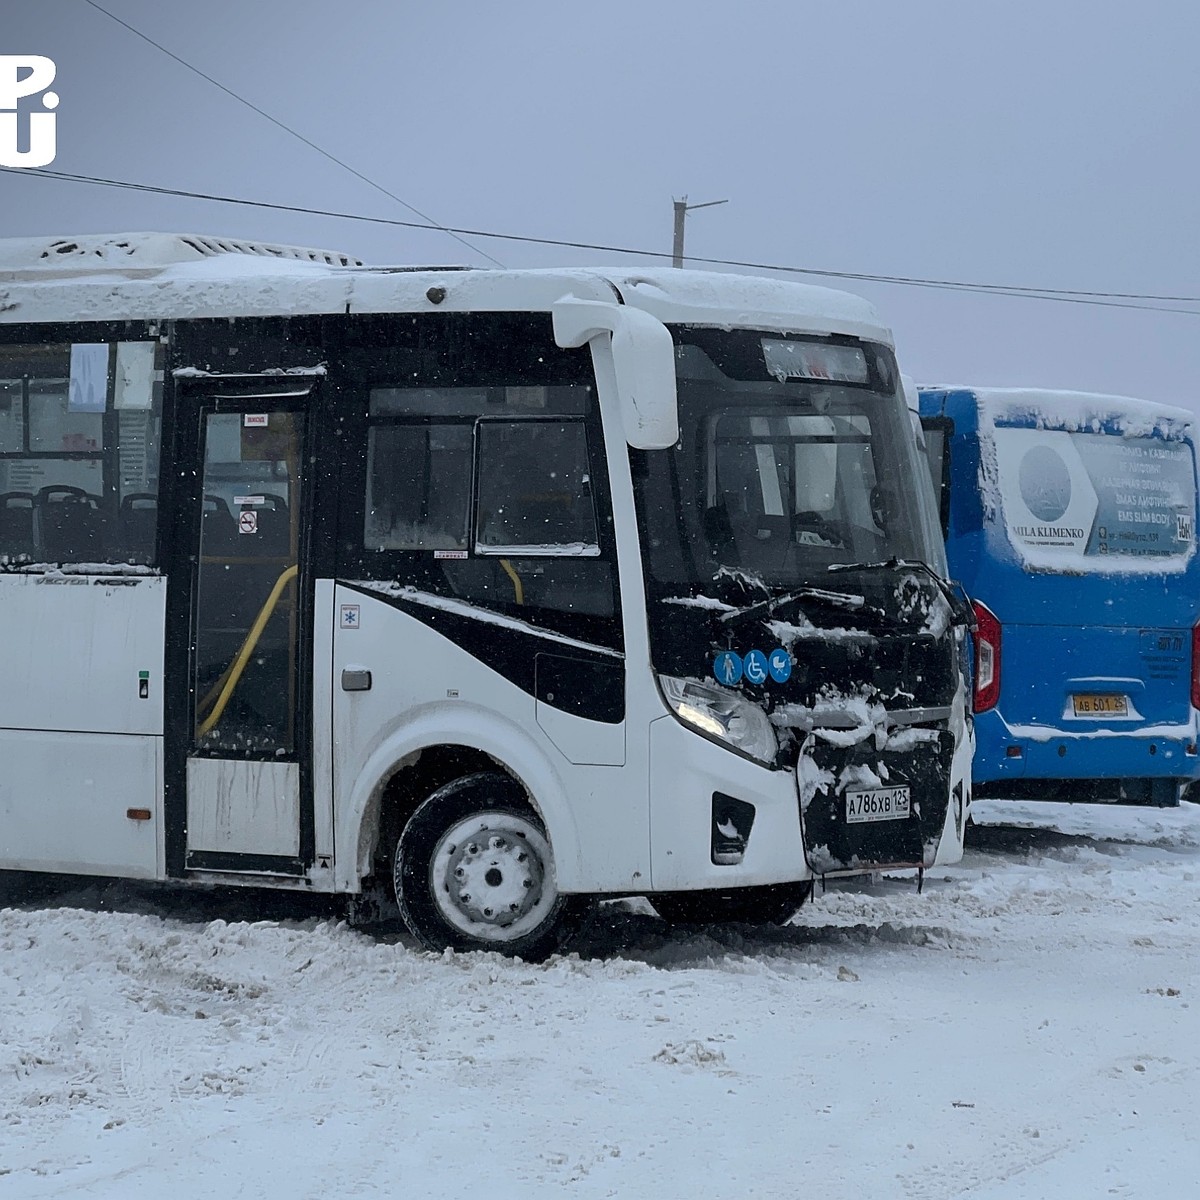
921 762
689 773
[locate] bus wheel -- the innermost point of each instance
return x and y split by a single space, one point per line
774 905
473 870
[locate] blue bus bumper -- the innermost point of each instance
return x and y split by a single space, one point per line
1006 752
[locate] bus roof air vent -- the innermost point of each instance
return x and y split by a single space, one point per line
145 252
211 246
417 270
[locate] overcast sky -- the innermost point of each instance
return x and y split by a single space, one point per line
1034 143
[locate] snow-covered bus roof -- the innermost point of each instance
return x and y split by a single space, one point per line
161 276
1077 412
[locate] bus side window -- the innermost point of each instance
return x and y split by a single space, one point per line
79 467
418 486
493 495
534 489
536 514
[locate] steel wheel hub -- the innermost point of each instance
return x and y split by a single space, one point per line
489 877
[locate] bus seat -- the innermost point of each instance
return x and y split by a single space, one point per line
273 536
220 529
68 525
138 520
16 523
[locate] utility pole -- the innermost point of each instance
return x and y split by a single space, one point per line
682 208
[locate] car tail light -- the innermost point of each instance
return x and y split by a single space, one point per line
1196 666
987 658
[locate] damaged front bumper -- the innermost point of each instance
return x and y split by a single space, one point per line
882 794
720 820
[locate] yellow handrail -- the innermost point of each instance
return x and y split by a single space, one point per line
234 673
518 586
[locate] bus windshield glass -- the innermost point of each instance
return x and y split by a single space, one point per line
796 456
1079 501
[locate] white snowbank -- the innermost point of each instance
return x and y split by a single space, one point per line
1024 1029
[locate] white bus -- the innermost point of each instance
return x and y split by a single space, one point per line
493 589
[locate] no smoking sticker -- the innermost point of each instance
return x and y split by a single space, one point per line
248 522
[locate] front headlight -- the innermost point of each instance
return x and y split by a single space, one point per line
722 714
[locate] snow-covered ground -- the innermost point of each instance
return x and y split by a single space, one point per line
1027 1027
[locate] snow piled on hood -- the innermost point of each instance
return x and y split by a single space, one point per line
840 720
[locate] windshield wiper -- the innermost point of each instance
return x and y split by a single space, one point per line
842 601
960 606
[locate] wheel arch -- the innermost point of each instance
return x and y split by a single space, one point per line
407 766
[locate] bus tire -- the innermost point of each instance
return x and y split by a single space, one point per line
473 870
772 905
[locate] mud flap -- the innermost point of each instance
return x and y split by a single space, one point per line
831 843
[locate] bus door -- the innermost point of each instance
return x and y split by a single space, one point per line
242 756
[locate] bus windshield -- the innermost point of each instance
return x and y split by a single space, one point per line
796 457
1083 501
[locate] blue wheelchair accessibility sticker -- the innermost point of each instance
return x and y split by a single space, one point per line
727 668
756 666
780 665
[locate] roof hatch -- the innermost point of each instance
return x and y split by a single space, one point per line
146 252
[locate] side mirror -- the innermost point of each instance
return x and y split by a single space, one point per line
643 357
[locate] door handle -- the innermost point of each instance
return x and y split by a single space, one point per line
356 679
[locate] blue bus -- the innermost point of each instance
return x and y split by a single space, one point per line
1070 520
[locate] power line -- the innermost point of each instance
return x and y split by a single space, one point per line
1125 300
294 133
